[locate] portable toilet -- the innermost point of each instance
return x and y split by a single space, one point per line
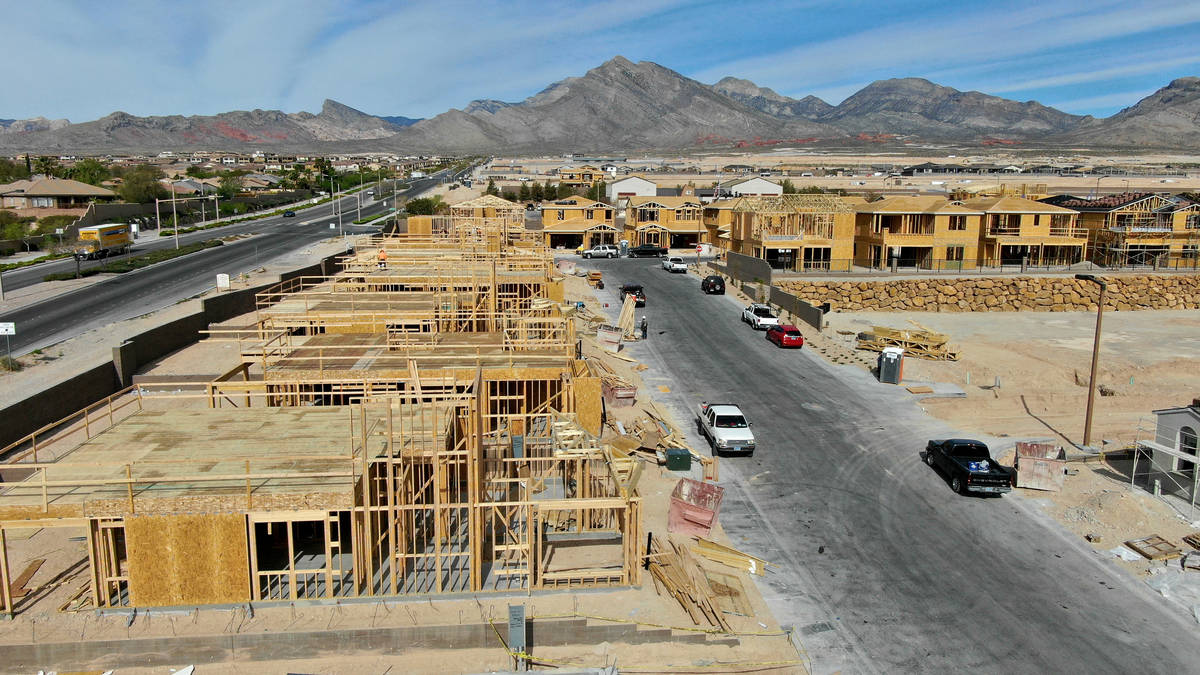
891 365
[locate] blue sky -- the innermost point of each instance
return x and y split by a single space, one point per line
83 60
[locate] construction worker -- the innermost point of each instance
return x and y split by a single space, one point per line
645 335
382 259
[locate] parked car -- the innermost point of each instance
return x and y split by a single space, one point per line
674 264
725 428
638 293
647 251
969 466
602 251
785 335
759 316
289 214
713 285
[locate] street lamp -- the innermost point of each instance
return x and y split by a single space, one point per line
1087 424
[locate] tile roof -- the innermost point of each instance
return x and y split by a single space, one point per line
54 187
1105 203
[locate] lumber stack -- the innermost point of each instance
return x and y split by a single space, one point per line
924 344
730 557
625 321
676 572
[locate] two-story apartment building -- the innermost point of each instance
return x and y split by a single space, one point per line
1018 231
718 223
578 221
1138 228
673 222
926 232
581 177
794 231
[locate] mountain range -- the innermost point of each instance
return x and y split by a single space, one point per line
626 106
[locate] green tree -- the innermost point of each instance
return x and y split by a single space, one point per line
140 184
523 192
491 188
90 171
16 231
550 190
11 171
425 206
230 185
536 192
789 188
47 165
197 171
596 192
564 191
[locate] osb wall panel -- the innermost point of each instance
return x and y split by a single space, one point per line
420 225
587 403
187 559
554 290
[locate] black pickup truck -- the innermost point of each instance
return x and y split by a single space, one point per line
647 251
969 465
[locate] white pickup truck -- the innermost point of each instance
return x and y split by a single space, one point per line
725 427
674 264
759 316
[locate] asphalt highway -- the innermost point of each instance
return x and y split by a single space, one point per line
881 567
146 290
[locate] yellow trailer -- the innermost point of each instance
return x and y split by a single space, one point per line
100 241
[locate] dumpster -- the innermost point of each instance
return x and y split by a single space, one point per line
891 365
678 459
694 507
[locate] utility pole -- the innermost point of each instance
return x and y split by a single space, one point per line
175 218
1087 423
338 205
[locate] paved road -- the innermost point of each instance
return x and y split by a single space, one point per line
137 293
883 568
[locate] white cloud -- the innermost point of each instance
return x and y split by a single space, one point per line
1096 75
1113 101
978 37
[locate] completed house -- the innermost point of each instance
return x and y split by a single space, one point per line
672 222
1019 231
578 221
1138 228
794 231
924 232
749 187
51 193
629 186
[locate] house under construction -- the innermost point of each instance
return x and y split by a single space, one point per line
419 423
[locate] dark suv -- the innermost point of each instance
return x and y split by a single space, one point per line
638 293
713 285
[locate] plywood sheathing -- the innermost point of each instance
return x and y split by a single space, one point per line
187 559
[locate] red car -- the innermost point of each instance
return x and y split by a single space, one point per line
785 335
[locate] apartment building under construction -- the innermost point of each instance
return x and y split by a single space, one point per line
419 423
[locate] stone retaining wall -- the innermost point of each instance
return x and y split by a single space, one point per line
1002 294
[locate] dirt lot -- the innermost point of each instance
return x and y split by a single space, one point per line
1150 360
